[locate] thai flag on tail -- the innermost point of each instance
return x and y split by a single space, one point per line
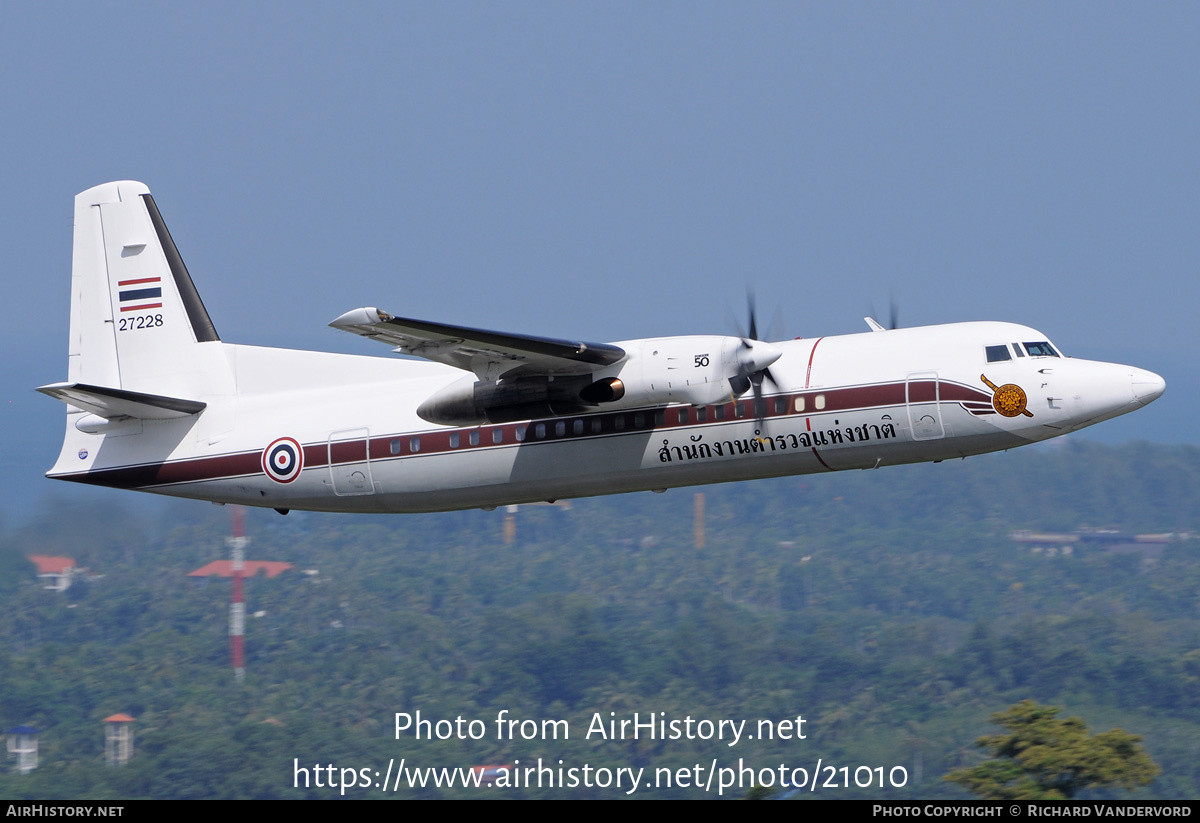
143 293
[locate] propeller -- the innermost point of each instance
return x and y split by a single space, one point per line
754 363
893 316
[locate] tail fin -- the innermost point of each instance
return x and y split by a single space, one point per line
147 371
136 318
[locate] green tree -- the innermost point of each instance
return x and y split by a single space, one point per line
1048 758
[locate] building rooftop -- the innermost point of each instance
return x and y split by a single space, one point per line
224 568
52 565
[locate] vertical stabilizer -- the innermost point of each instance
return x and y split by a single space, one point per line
136 318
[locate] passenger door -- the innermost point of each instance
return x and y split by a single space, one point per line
350 462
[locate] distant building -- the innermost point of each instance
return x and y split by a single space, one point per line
1149 546
23 747
56 571
118 739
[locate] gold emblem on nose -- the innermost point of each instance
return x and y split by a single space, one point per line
1008 400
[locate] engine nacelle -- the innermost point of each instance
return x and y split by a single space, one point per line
698 371
470 402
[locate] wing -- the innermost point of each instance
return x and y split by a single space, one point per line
489 354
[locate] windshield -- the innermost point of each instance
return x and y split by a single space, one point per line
1040 349
995 354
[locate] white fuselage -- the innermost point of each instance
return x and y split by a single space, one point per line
847 402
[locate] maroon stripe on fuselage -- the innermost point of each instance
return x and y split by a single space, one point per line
347 451
229 465
922 391
959 392
179 471
316 455
896 394
862 397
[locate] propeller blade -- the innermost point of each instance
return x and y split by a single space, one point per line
757 360
777 328
754 361
760 402
733 320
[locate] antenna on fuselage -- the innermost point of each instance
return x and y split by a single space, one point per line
893 317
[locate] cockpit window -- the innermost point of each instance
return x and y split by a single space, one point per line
1040 349
997 353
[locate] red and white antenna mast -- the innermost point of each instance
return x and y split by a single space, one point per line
237 603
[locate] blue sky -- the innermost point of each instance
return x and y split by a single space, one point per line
616 170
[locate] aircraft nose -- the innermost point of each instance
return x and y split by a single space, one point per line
1147 386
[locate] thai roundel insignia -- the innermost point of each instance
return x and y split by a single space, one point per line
283 460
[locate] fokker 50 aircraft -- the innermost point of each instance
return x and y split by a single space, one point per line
157 402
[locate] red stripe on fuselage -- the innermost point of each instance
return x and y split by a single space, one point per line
811 354
807 380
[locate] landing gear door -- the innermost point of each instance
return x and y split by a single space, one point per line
922 397
350 462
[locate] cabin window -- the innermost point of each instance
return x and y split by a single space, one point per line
454 440
560 428
539 431
396 446
800 403
596 423
473 437
739 409
819 402
718 412
701 414
497 436
619 422
639 420
997 354
414 444
577 427
683 416
520 434
660 418
781 405
1040 349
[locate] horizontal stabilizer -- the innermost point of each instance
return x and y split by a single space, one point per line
112 403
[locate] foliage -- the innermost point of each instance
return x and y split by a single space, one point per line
888 608
1047 758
